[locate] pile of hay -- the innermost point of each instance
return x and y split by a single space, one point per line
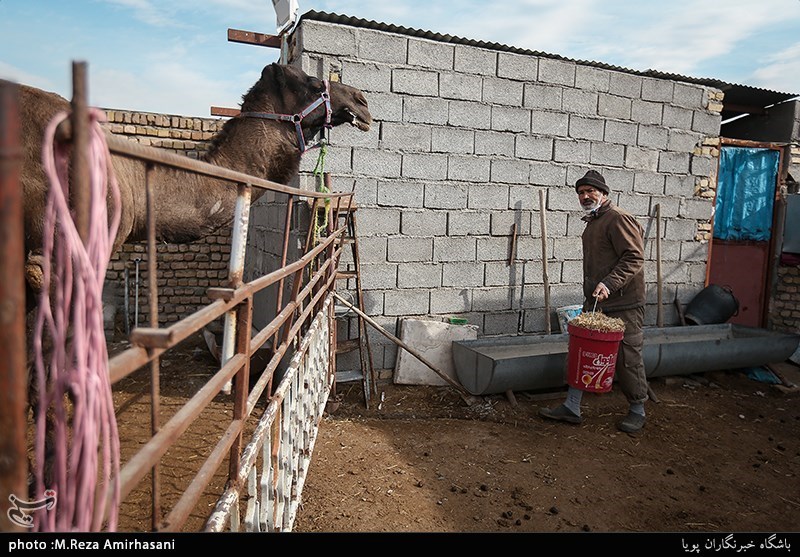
597 321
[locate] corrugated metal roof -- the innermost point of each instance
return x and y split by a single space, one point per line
739 99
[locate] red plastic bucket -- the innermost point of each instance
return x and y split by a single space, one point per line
592 358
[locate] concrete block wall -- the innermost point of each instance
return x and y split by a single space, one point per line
466 138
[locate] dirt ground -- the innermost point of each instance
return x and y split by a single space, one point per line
720 453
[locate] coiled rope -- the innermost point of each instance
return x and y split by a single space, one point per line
85 458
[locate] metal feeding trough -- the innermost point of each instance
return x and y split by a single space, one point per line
533 362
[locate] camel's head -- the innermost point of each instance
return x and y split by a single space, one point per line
291 91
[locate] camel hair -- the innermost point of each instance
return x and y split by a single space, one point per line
191 206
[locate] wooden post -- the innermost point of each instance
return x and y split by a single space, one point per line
543 220
659 311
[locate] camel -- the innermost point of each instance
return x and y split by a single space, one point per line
264 141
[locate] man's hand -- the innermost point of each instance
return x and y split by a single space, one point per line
601 292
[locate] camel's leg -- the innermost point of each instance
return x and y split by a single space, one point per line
34 279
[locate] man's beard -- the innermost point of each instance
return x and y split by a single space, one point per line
589 207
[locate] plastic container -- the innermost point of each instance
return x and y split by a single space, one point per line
565 313
712 305
592 358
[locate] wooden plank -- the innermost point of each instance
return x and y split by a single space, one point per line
222 111
249 37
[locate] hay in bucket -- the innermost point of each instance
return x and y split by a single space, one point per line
597 321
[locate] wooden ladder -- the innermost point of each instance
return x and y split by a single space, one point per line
359 341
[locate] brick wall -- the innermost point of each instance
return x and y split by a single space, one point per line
785 309
466 137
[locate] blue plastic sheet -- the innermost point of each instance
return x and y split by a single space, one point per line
745 193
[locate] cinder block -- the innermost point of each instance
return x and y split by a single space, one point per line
542 97
371 162
576 101
331 40
654 137
454 249
676 163
460 86
638 158
498 298
613 106
380 46
558 72
402 249
517 66
452 140
706 123
468 223
581 127
553 124
408 137
493 143
419 275
659 90
623 133
468 168
450 300
427 166
689 95
571 151
488 196
408 301
646 112
430 54
425 223
502 91
446 196
593 79
473 60
509 171
461 274
607 154
531 147
425 110
415 82
511 119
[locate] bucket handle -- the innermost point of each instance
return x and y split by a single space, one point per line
729 290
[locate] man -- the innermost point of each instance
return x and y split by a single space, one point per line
613 274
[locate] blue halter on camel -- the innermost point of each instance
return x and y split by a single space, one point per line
324 97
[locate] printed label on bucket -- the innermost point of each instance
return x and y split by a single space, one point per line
595 370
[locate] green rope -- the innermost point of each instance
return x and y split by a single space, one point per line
319 171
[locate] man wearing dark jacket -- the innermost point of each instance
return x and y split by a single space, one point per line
613 274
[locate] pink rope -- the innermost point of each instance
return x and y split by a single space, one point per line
86 457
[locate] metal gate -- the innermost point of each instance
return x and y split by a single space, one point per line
266 471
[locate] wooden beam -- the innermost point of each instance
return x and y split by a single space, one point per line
249 37
222 111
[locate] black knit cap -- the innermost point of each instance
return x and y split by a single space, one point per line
595 179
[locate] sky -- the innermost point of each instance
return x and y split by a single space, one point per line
174 57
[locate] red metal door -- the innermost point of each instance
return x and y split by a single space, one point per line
742 244
742 267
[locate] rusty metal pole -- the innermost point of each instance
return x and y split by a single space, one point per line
13 376
155 368
79 169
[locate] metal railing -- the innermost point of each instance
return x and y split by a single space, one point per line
266 490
